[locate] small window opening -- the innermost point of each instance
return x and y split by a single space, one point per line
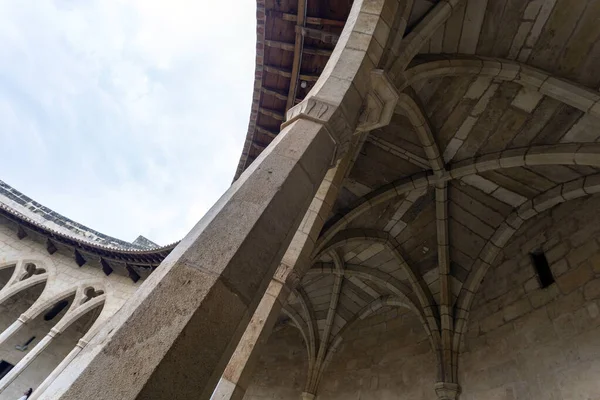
542 269
5 368
54 311
25 346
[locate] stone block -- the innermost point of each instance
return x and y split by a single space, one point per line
591 291
527 99
480 183
531 285
575 96
575 278
539 298
595 262
492 322
509 197
565 304
559 268
517 309
582 253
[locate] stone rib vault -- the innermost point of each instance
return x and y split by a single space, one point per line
415 216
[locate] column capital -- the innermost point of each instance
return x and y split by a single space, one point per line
447 390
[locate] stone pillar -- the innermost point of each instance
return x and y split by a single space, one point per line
235 379
173 338
12 329
238 373
57 371
28 359
447 391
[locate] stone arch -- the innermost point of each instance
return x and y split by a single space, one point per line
420 289
367 311
559 194
414 41
74 314
298 323
27 273
371 200
6 272
565 91
561 154
425 310
375 276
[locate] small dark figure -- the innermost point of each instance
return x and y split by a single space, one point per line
26 394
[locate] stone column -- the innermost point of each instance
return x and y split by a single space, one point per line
28 359
175 335
57 371
13 328
238 373
235 379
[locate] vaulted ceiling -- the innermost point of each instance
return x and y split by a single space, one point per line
494 125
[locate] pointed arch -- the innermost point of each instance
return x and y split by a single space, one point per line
559 194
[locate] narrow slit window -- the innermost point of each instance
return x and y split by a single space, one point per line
542 269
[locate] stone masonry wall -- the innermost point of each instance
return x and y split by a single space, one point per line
387 356
281 371
65 276
529 343
523 342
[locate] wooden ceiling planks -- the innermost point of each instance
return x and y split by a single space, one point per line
299 37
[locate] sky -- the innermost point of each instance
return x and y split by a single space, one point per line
127 116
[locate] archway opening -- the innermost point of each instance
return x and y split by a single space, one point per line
17 304
35 373
5 274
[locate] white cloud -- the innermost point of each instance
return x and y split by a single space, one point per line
126 116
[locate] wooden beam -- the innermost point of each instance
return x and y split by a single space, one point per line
79 258
309 20
298 44
278 115
266 132
21 234
318 34
50 247
286 73
279 71
106 268
276 44
313 51
259 146
309 78
134 276
277 95
290 47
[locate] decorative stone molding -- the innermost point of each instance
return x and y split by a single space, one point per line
447 391
329 115
380 102
307 396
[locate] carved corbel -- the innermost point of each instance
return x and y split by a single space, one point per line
380 102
